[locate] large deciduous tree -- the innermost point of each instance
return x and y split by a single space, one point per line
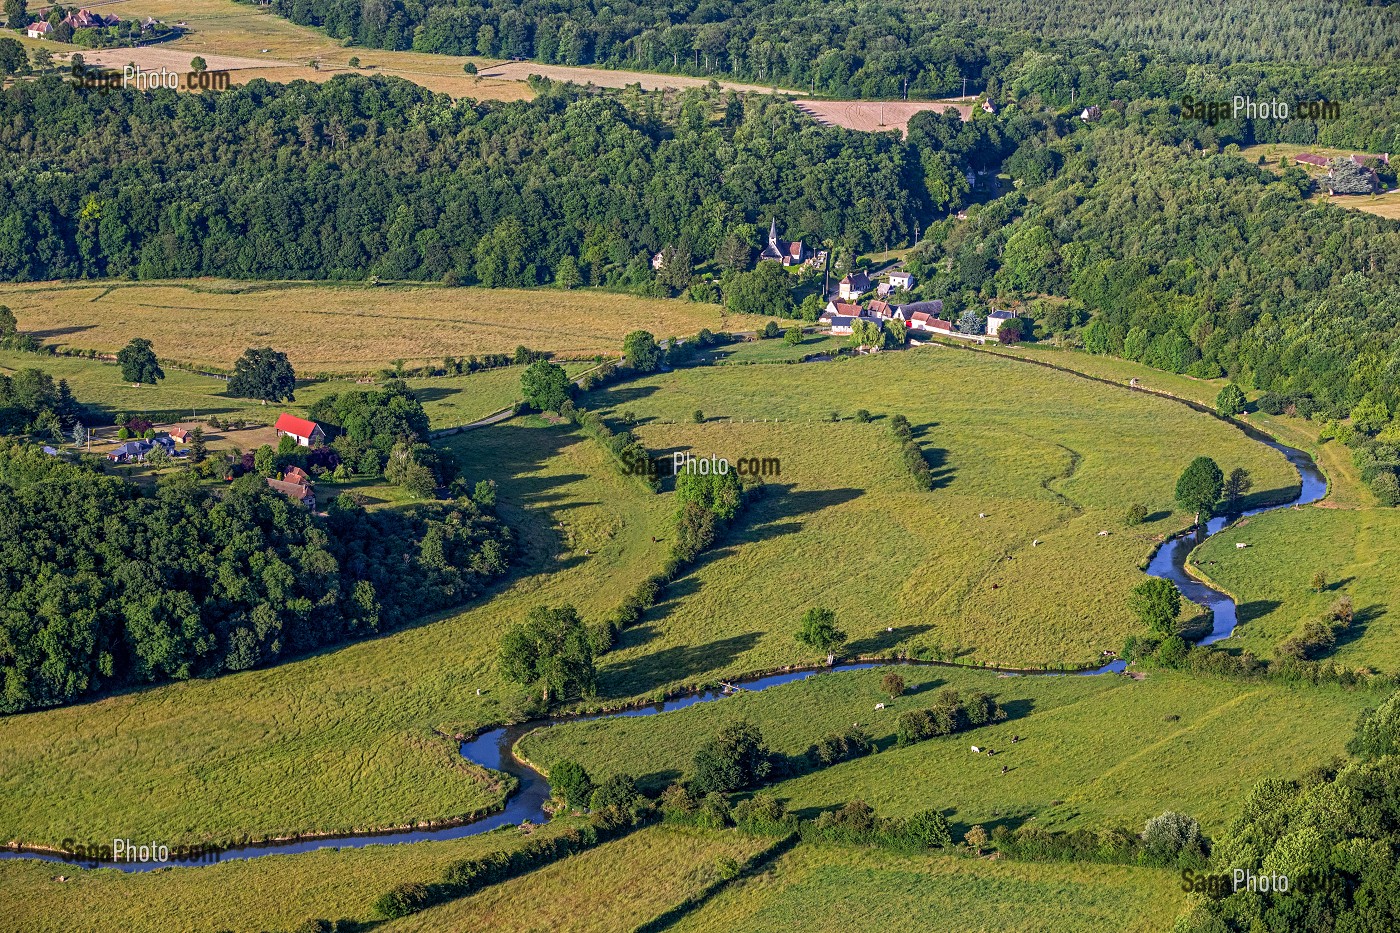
263 374
819 631
550 650
545 385
1198 488
1156 603
138 362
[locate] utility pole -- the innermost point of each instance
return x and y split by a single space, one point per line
964 94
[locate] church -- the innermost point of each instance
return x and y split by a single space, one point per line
789 254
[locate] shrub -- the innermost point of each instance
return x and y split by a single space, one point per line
893 684
404 899
1271 403
1171 837
733 759
571 782
1137 514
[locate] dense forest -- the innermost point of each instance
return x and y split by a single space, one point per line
103 586
374 176
861 49
1197 262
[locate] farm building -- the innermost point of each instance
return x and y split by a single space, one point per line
304 493
306 433
906 313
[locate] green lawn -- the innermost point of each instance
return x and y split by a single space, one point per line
345 739
1358 550
1093 750
270 892
826 889
1001 564
611 888
776 350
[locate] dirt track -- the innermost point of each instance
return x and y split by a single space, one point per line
874 116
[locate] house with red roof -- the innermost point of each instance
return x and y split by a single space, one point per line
304 493
306 433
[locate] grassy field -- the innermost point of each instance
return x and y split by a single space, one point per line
776 350
1001 564
240 896
613 887
345 739
348 329
1093 751
825 889
1358 551
182 395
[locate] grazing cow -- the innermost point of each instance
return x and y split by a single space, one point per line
976 750
1015 739
1004 769
879 706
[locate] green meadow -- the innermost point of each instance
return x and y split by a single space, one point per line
1019 557
1356 550
448 400
1092 751
828 889
240 895
616 886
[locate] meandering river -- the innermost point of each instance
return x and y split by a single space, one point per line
494 748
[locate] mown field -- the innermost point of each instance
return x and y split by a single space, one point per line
240 896
1093 751
1001 564
345 739
614 887
1357 550
348 329
826 889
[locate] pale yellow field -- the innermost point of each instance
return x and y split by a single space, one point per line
877 116
347 328
606 77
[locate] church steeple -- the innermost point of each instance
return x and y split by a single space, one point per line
773 233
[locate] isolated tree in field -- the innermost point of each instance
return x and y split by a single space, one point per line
793 337
545 385
263 374
551 649
1136 514
8 325
198 64
771 330
571 782
976 838
819 631
1198 489
138 362
1231 400
1156 603
80 435
641 351
1319 582
1237 486
892 684
718 493
733 759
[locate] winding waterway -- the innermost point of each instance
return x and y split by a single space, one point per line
494 748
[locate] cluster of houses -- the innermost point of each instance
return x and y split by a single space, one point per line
84 19
296 485
919 316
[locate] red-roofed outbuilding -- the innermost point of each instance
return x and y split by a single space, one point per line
307 433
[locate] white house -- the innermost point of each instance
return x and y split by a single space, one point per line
39 30
901 280
996 319
838 309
